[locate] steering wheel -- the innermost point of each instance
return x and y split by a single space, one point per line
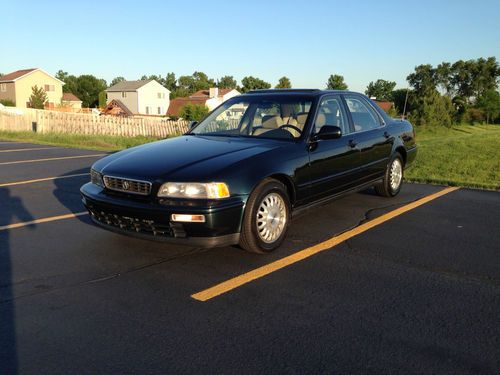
293 127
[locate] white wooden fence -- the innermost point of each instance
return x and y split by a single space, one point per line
43 121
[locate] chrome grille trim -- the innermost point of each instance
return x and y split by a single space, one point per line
127 185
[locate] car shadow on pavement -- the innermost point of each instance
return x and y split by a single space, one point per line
11 209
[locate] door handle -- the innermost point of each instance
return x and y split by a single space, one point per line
352 143
387 135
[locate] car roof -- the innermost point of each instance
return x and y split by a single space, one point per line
303 92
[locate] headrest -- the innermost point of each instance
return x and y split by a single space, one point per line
272 121
302 117
320 120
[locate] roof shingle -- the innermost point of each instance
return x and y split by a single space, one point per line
15 75
128 85
70 97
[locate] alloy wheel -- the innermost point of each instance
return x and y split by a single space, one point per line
271 217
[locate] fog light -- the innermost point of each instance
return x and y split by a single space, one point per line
188 218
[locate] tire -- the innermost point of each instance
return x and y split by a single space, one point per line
393 177
262 234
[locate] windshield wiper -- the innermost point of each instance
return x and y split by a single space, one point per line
218 135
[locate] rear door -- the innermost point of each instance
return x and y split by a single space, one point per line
370 136
332 162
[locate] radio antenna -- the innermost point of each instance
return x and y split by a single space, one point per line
406 101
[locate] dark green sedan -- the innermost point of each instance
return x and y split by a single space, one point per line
238 176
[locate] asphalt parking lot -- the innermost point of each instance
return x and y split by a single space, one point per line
416 293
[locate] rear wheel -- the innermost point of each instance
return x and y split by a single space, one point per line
266 217
393 177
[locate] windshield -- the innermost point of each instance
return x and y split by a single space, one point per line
267 117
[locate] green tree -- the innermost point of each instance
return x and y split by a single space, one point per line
70 81
170 82
462 78
193 112
195 82
88 89
380 89
461 108
227 82
398 97
62 75
489 103
252 83
432 109
423 79
116 80
102 99
443 77
336 82
38 97
485 76
284 83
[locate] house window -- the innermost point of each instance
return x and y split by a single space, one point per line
50 88
159 110
159 95
3 87
147 110
124 94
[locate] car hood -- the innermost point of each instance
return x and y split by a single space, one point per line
182 157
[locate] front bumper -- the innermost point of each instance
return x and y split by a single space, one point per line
151 220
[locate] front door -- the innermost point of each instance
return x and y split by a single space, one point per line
332 162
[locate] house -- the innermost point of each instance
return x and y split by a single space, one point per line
386 106
71 101
116 108
212 98
146 97
17 87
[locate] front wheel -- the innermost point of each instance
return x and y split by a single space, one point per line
266 217
393 177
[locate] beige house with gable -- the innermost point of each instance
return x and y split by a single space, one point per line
146 97
17 87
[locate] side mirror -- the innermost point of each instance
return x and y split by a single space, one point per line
328 132
192 124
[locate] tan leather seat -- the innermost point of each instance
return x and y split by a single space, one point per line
301 119
269 122
320 121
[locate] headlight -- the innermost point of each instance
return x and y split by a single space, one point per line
211 190
96 178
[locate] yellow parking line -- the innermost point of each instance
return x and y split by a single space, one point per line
29 149
43 220
257 273
51 159
42 179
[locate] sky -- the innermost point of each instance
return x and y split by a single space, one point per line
303 40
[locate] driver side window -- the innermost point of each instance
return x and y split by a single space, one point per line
331 112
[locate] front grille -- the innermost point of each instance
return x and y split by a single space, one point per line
127 186
132 224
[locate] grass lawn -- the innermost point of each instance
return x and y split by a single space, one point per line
90 142
463 155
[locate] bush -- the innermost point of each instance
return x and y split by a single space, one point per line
474 115
7 102
194 112
432 110
38 97
102 99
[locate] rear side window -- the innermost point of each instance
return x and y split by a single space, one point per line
363 116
